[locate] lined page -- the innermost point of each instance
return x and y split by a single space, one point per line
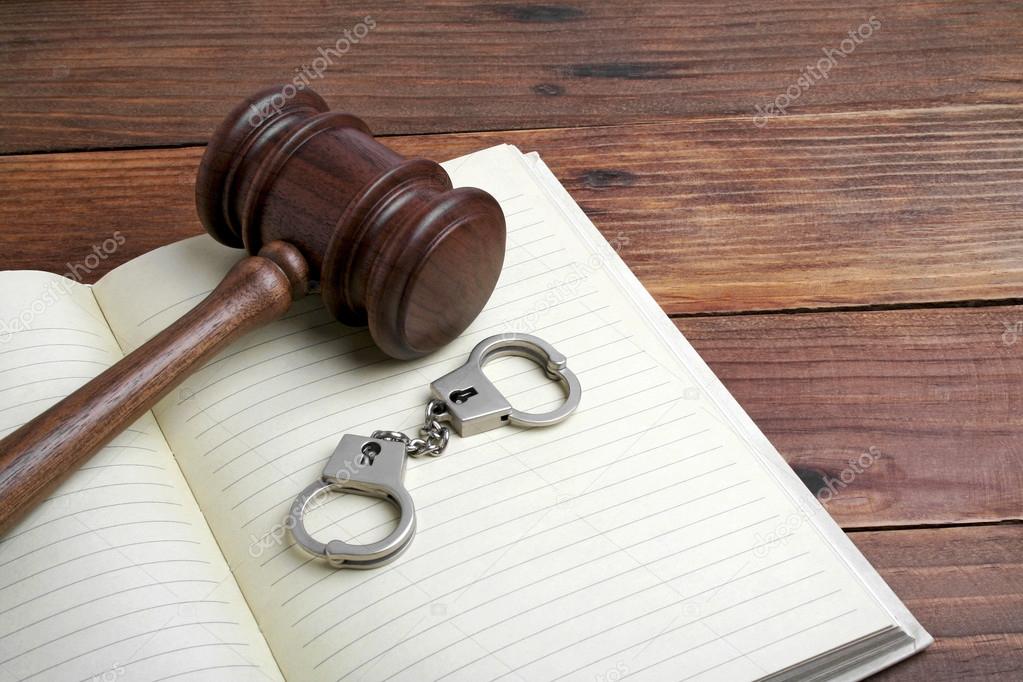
116 574
641 537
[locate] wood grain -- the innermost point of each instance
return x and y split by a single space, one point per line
713 215
384 236
965 585
38 455
106 74
930 400
895 182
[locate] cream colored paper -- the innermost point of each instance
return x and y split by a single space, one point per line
116 575
642 537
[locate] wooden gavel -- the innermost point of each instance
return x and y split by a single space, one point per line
312 197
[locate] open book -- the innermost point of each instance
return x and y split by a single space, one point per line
654 535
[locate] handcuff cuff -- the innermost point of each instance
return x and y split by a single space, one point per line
466 400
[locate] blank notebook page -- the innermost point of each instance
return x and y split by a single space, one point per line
115 574
640 536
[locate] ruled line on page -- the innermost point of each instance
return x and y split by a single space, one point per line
524 227
53 543
376 360
177 650
85 489
93 600
248 368
54 362
164 629
449 457
442 361
301 425
772 643
435 524
36 382
48 330
545 485
11 536
365 633
375 419
287 475
500 524
613 628
531 259
93 467
705 617
43 346
335 433
449 545
518 212
520 531
301 330
541 273
33 401
113 549
191 299
564 595
58 564
329 340
144 564
453 544
119 616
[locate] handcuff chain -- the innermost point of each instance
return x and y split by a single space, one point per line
434 435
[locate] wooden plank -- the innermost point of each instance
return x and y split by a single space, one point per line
891 418
818 211
965 585
935 391
94 74
713 215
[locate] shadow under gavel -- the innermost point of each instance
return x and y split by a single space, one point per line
312 197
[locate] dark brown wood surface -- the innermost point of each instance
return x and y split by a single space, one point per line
933 395
963 584
713 215
112 74
852 270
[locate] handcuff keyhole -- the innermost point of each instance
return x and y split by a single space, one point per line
370 450
459 397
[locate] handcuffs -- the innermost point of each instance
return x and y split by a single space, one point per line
375 466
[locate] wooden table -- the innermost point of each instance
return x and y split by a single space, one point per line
851 268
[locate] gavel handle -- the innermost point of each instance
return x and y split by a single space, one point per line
41 453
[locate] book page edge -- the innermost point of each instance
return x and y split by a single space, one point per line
762 448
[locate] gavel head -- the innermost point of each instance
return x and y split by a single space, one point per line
390 242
